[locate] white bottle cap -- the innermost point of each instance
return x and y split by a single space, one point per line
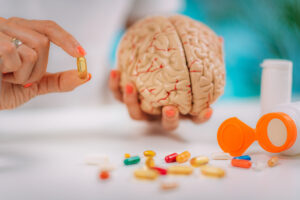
276 83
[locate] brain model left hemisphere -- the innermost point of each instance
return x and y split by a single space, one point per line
172 61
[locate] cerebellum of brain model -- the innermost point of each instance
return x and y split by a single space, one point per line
172 61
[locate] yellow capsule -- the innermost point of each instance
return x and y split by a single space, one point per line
145 174
180 170
212 171
150 162
183 157
82 67
273 161
127 155
199 160
149 153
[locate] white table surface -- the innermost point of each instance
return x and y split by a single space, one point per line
42 156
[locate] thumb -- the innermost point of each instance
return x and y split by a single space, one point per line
61 82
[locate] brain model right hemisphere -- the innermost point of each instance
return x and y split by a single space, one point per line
172 61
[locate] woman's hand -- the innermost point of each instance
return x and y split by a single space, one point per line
170 114
24 68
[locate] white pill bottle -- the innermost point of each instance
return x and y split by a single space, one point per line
278 130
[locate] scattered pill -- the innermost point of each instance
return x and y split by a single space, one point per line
168 185
149 153
96 159
212 171
104 175
258 166
107 167
146 174
171 158
150 162
132 160
199 160
241 163
180 170
127 155
273 161
220 156
82 67
245 157
161 171
183 157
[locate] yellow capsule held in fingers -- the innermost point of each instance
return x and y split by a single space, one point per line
180 170
212 171
149 153
145 174
199 161
183 157
82 67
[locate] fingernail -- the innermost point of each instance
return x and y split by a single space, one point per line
27 85
129 89
113 73
208 114
81 50
90 77
170 113
4 73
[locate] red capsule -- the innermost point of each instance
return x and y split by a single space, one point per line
161 171
171 158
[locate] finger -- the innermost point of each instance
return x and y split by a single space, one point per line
21 76
114 84
10 60
130 98
55 33
34 40
60 82
170 118
204 116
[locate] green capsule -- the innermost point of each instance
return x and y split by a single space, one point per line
132 160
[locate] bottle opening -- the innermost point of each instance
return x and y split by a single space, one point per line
277 132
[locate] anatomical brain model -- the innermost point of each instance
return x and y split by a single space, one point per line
172 61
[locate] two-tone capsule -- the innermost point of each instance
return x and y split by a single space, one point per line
183 157
171 158
132 160
82 67
244 157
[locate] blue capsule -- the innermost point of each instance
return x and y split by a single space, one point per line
245 157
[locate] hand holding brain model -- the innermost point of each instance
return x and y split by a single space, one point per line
169 67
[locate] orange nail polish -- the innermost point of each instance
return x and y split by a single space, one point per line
129 89
170 113
27 85
208 114
4 73
113 73
90 77
81 50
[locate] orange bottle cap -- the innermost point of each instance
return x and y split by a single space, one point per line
234 136
263 132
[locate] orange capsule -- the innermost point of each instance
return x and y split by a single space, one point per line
273 161
241 163
183 157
